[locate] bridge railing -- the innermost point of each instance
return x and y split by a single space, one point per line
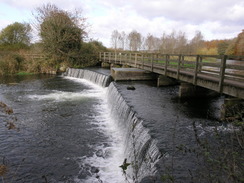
220 68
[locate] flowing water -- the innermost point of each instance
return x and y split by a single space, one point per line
80 128
65 133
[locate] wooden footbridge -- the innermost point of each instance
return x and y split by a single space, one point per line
220 73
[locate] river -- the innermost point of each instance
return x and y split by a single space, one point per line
68 129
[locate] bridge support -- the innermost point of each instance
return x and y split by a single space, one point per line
125 74
189 90
232 109
165 81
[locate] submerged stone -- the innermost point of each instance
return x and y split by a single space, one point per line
131 88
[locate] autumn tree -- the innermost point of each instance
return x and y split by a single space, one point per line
231 48
223 46
61 32
16 35
239 47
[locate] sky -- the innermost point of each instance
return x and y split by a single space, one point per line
216 19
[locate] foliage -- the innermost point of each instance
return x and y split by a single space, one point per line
231 48
90 52
10 63
61 32
223 46
206 51
239 47
15 36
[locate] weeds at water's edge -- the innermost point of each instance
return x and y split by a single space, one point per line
218 153
10 123
124 167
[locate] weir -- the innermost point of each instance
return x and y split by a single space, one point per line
141 150
97 78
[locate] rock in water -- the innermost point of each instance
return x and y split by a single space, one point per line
131 88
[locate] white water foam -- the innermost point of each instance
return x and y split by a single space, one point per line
106 159
202 130
59 96
112 156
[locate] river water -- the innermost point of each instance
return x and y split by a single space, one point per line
64 132
69 129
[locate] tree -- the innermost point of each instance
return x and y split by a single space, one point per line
16 35
196 42
61 32
122 40
231 48
168 43
223 46
90 52
239 50
135 40
115 37
150 42
181 43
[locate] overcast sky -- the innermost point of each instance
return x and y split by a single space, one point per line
216 19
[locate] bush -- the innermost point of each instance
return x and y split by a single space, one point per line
10 64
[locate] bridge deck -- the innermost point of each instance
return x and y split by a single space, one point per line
213 72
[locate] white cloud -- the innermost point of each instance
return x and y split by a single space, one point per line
218 19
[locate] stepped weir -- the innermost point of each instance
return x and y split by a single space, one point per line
141 150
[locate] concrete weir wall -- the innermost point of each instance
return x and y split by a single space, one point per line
125 74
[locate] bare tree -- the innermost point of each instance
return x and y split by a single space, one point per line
122 40
196 42
135 40
115 38
168 43
149 42
181 43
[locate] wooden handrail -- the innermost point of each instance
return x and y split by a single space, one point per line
213 65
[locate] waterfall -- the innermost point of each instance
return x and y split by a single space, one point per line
97 78
140 149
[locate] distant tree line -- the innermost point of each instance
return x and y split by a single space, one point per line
176 43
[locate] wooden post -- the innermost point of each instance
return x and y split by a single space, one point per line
156 58
178 67
196 70
152 62
130 58
200 64
166 65
135 59
120 55
182 60
142 61
109 57
115 57
222 73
